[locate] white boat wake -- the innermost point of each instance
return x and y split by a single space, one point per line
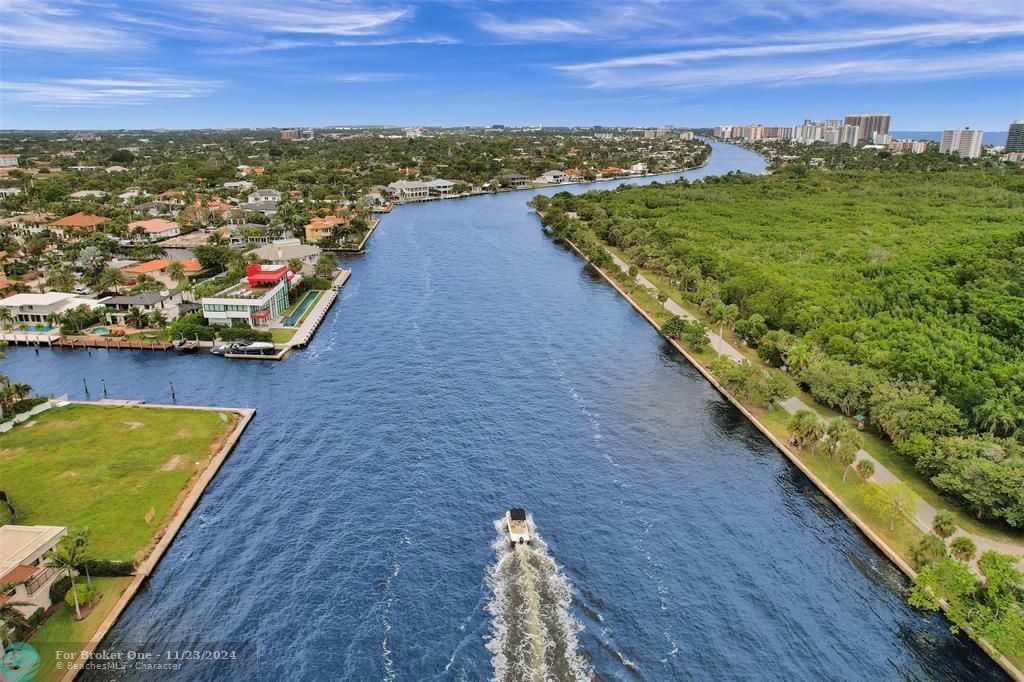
533 633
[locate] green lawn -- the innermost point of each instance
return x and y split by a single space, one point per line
282 334
160 334
61 632
115 470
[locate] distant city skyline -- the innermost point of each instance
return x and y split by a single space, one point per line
933 65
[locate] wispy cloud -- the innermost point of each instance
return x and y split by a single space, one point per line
61 27
129 87
312 17
845 71
400 40
549 28
363 77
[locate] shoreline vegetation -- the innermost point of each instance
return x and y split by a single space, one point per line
898 534
148 487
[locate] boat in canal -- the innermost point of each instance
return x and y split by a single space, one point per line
517 525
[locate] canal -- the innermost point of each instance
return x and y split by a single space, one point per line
471 365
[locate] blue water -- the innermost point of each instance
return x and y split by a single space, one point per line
471 365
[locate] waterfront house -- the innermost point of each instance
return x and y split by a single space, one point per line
153 229
36 308
318 228
282 251
238 184
9 192
167 301
253 233
22 552
513 180
75 224
8 160
420 190
556 177
258 299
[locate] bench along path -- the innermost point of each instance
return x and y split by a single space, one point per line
925 513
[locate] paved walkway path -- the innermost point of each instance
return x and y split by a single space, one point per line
717 342
925 513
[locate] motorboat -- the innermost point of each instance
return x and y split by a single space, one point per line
518 527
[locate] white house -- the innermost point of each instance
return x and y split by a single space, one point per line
418 190
553 177
8 160
238 184
22 551
35 308
87 194
9 192
281 251
131 194
264 195
116 169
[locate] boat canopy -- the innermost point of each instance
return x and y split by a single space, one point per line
517 514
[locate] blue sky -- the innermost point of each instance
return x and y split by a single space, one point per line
209 63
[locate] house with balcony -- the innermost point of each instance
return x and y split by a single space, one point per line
166 301
22 552
258 299
35 309
554 177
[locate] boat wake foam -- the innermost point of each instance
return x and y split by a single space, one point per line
533 633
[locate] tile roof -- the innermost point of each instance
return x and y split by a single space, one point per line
80 220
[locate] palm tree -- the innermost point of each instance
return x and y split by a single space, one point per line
54 319
176 271
840 433
806 427
865 469
798 357
136 318
157 319
80 538
963 548
944 524
999 416
60 280
6 318
64 558
12 620
110 278
846 456
296 265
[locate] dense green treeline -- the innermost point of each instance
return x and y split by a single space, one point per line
899 296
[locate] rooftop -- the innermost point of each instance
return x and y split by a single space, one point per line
80 220
154 225
20 543
161 264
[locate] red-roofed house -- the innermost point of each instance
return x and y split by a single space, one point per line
77 223
156 229
157 269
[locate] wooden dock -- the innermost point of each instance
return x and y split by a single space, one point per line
112 342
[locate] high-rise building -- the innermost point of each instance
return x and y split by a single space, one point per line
1015 137
290 134
869 124
962 141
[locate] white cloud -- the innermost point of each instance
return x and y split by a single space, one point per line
533 29
337 18
122 88
852 70
41 25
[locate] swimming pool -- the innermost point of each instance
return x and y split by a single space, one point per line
100 331
33 328
300 309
